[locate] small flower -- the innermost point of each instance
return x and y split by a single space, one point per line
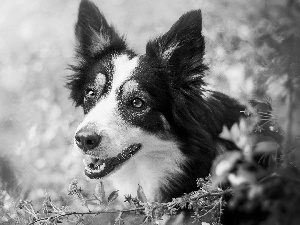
73 188
20 204
258 128
247 112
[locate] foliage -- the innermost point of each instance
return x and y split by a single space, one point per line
203 202
252 46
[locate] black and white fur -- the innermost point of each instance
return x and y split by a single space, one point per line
154 110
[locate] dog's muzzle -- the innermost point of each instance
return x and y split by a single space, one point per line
95 167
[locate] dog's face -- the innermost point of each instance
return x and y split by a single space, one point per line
122 117
136 106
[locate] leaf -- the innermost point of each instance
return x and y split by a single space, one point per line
235 131
242 177
225 134
226 162
266 147
246 173
141 194
113 196
100 192
223 165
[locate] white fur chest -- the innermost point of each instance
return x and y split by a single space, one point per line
148 168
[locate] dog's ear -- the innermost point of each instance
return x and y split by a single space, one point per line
181 49
94 35
180 53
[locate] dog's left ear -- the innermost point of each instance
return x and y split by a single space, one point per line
181 49
94 35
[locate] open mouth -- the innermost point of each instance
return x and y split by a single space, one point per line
96 168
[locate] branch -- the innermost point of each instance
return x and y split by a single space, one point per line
220 212
87 213
198 196
210 210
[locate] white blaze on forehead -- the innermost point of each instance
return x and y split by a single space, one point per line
105 116
123 68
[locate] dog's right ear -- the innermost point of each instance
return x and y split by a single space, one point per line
94 35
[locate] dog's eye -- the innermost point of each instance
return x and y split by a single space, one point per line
89 94
137 103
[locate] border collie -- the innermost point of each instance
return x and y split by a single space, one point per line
151 119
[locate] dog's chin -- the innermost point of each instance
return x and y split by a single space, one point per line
96 168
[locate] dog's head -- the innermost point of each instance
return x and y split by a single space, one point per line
153 105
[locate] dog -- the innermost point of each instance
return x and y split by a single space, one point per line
150 119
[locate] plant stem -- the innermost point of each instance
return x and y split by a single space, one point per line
87 213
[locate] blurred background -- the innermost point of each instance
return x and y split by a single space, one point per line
252 49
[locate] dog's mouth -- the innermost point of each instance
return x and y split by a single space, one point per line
96 168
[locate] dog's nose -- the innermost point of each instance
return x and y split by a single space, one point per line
87 140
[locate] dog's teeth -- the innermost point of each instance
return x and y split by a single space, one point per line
97 170
88 169
102 167
98 163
